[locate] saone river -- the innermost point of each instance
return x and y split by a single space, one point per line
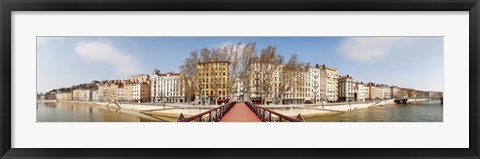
76 112
419 112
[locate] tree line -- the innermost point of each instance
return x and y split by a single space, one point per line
240 56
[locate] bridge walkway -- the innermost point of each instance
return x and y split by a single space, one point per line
240 112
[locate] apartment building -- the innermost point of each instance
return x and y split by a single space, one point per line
265 81
213 82
100 94
315 81
141 92
346 90
169 87
82 95
361 92
328 83
387 92
65 96
374 92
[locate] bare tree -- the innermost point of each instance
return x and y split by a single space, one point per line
219 54
240 57
290 76
189 71
267 68
222 53
279 61
178 89
269 52
205 55
233 54
249 51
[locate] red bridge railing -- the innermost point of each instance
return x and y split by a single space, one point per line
211 115
267 115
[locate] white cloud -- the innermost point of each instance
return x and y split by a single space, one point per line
105 52
372 49
48 39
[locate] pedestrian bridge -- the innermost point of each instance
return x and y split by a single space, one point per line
240 112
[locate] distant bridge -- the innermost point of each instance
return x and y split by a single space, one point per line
406 100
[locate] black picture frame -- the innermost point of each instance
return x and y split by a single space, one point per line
7 6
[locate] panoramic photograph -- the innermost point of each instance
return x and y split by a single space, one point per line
239 79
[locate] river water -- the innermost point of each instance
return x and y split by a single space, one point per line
431 111
78 112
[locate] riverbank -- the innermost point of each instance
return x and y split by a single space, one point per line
429 111
171 111
130 109
316 110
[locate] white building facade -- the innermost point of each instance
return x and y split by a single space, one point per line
362 92
314 80
168 87
238 89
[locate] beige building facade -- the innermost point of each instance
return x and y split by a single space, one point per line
100 94
66 96
374 92
301 92
82 95
387 92
141 92
328 84
212 82
112 92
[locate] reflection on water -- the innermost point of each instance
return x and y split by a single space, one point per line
431 111
77 112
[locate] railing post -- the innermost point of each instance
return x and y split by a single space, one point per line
300 118
263 115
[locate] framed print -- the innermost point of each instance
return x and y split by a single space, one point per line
238 79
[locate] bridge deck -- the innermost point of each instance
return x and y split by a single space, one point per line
240 113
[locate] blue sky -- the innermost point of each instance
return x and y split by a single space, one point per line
413 62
